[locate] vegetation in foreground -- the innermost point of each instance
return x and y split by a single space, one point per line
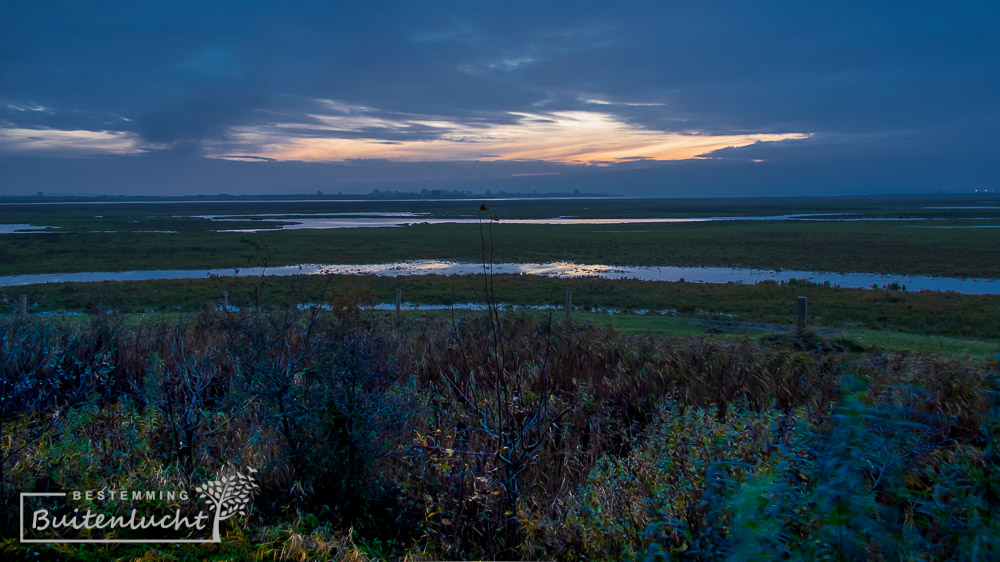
502 436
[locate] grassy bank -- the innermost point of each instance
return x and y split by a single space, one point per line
845 338
923 313
883 247
124 237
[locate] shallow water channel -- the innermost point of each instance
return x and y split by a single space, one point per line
554 269
388 219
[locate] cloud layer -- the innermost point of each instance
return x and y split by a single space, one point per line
571 137
857 95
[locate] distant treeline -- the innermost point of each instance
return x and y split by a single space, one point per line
375 194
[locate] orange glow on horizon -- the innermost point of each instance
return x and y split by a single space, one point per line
571 137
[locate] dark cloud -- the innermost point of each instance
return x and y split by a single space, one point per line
174 172
196 119
824 168
34 116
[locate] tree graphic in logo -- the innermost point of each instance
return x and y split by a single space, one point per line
230 494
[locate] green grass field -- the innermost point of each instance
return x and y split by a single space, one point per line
881 319
849 339
895 246
946 322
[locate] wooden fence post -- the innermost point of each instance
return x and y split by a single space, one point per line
569 303
399 303
225 301
24 307
800 323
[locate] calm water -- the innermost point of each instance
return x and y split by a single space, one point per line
389 220
20 228
555 269
300 221
378 219
371 220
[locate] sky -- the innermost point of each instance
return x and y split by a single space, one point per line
631 98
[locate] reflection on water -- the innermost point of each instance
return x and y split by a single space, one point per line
21 228
371 220
390 219
555 269
481 306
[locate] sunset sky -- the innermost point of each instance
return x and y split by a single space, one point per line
636 98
